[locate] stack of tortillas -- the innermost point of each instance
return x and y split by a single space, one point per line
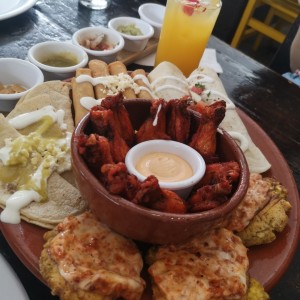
63 197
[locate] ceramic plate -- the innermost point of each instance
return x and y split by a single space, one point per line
10 285
11 8
267 262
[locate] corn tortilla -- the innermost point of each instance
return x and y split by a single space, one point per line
64 198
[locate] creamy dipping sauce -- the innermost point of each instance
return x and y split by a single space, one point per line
166 167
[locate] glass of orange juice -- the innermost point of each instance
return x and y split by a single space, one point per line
185 32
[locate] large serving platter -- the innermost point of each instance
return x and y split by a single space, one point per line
11 8
267 262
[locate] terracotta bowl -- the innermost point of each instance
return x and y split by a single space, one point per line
143 224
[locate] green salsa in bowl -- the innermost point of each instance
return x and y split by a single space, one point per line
136 32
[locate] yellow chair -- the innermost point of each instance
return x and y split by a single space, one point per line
287 10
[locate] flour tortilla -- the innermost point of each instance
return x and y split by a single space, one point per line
55 93
174 88
257 162
64 198
6 131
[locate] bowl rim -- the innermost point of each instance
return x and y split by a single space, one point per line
212 214
142 14
148 35
39 78
52 69
116 49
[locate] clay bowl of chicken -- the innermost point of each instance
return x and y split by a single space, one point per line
142 210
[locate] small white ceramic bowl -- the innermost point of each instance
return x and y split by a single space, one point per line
44 50
21 72
133 43
110 36
191 156
153 14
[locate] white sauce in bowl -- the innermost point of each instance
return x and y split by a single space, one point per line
166 167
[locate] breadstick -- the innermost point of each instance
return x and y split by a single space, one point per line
117 67
144 93
99 68
79 90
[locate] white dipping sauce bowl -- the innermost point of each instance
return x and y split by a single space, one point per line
133 43
21 72
153 14
191 156
111 36
41 51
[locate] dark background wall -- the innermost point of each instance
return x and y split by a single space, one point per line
229 18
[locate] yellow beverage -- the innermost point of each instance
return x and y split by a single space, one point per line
185 32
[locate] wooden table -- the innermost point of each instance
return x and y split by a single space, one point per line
265 96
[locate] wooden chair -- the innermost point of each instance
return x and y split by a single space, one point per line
286 10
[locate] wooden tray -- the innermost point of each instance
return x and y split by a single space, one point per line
127 57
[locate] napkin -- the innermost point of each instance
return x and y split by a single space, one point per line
147 60
209 60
